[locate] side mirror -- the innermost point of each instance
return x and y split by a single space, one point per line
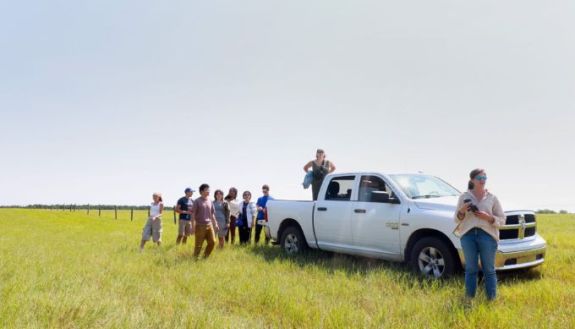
383 197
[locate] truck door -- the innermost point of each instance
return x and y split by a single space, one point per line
375 218
332 214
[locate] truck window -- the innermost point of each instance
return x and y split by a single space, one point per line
340 188
368 185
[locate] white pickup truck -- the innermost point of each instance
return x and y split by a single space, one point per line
398 217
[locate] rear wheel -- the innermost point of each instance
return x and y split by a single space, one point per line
432 258
292 241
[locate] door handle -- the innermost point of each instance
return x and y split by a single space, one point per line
360 211
322 209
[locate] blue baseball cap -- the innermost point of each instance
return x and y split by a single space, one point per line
189 189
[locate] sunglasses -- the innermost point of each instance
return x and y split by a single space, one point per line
481 178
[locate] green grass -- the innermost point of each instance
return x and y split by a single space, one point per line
70 270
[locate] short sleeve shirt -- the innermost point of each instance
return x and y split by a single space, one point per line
203 211
183 203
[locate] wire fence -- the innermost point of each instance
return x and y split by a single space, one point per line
112 211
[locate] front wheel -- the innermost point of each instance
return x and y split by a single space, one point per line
432 258
292 241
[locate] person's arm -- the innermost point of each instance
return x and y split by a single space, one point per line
497 218
179 209
193 216
307 166
331 167
161 211
498 214
461 209
227 213
213 217
254 215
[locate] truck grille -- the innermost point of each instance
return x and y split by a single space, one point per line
518 227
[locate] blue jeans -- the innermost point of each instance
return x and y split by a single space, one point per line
478 244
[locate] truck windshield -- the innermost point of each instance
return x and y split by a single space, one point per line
424 186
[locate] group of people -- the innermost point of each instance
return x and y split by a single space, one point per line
207 218
478 216
221 216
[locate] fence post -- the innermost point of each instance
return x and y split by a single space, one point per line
116 212
70 208
132 215
88 209
99 211
174 215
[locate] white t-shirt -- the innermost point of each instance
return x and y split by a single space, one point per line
155 209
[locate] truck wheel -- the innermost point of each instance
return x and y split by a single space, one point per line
292 241
432 258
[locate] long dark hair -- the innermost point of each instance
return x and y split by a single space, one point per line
474 173
229 196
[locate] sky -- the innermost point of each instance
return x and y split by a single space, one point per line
110 101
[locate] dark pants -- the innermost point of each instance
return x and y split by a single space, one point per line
245 234
259 229
232 231
315 186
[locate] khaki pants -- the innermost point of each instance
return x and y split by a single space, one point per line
185 227
204 232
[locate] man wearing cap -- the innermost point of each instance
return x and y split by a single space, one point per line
185 223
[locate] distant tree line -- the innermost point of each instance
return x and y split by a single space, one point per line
549 211
81 206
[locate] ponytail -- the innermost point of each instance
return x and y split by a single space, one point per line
470 185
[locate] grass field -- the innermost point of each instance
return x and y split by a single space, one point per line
70 270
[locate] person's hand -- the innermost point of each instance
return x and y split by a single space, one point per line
464 207
217 227
260 209
227 225
485 216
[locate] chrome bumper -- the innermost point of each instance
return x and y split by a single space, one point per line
522 259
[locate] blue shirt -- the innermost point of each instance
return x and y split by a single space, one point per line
183 203
262 201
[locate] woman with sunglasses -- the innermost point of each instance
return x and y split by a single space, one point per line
479 216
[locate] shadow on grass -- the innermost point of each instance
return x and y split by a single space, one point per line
357 265
334 262
519 276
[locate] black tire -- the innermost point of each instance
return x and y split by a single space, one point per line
432 258
292 241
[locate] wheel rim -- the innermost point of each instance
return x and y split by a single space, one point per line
431 262
291 244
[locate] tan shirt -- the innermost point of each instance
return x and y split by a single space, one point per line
489 204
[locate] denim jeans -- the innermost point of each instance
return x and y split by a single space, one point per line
478 244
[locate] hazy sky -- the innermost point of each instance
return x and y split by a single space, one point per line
109 101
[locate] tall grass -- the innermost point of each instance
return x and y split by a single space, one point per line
70 270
